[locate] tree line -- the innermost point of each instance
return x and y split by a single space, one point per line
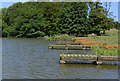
38 19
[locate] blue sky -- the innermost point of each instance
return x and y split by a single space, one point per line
114 7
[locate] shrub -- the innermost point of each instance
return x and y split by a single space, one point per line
104 52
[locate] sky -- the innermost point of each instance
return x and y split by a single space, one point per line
7 3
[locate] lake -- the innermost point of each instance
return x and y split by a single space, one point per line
24 58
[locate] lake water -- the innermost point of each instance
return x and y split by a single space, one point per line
31 59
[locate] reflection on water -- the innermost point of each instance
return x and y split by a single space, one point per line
89 66
31 59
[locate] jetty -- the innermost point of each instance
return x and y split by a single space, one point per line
85 58
67 43
70 47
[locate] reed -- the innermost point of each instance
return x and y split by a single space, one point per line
47 38
63 37
105 52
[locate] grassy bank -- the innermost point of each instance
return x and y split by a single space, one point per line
105 52
111 37
63 37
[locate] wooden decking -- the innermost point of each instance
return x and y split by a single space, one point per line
81 44
65 58
70 47
67 43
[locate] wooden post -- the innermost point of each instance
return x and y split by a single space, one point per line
83 47
50 47
62 58
99 62
67 47
62 62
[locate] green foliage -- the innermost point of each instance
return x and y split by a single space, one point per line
98 20
104 52
30 19
74 40
37 19
111 52
47 38
51 15
73 18
117 25
111 37
93 36
64 37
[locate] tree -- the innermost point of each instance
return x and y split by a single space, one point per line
51 15
117 25
95 17
108 13
98 20
22 18
34 19
4 26
72 19
43 0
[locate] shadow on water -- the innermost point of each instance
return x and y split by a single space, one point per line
89 66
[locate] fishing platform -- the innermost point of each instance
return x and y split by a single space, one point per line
85 58
67 43
70 47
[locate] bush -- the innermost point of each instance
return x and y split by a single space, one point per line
104 52
47 37
36 34
63 37
39 34
5 33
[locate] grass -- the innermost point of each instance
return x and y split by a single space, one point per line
63 37
111 37
104 52
47 38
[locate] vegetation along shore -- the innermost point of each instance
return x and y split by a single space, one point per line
63 21
39 19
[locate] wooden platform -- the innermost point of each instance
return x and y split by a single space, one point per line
76 58
70 47
67 43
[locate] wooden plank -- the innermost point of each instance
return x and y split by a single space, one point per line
67 43
78 57
81 46
70 47
97 59
110 58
